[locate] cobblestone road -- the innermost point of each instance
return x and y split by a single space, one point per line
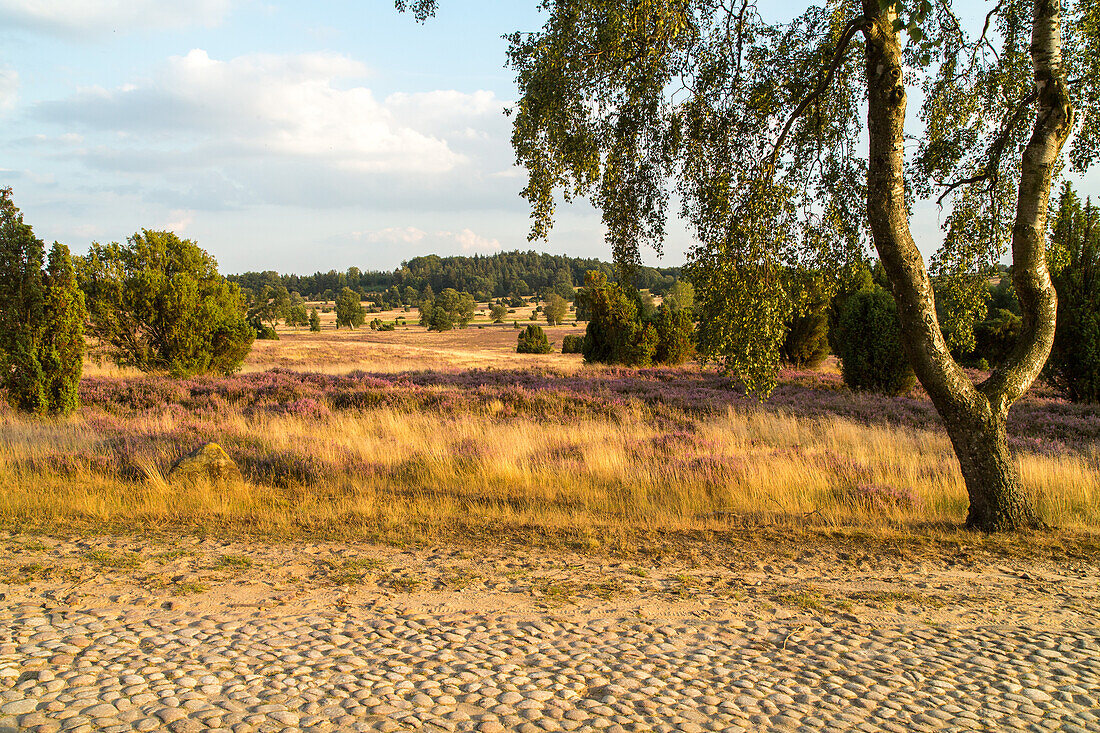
150 669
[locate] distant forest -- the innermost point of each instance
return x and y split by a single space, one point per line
483 276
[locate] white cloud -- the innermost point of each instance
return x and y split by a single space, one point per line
264 119
470 241
95 17
178 221
466 239
392 235
9 86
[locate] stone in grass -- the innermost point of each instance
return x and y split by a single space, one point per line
209 462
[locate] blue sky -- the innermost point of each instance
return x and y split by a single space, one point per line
278 135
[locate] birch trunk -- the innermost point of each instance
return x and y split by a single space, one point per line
975 415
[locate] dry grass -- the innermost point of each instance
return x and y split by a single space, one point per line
391 474
399 472
480 345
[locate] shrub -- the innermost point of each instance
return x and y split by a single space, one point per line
41 319
996 335
675 335
62 343
532 340
497 313
869 341
614 334
159 303
265 332
314 321
1074 364
807 341
572 343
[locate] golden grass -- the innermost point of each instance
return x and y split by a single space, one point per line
407 348
400 475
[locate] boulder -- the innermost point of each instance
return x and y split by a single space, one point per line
210 462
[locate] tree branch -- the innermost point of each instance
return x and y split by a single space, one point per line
996 150
838 57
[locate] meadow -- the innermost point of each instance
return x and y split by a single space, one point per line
411 436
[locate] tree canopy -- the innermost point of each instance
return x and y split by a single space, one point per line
157 303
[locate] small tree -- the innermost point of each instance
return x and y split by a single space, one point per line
869 337
314 321
555 310
297 316
681 297
22 308
532 340
447 310
349 310
62 345
614 334
158 303
41 319
806 343
1074 364
498 312
675 329
996 335
572 343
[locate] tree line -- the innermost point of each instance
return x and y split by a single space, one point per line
157 303
499 275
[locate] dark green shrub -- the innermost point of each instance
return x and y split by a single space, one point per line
158 303
42 316
314 321
572 343
532 340
869 344
856 278
615 335
61 347
675 332
1074 364
265 332
807 341
996 335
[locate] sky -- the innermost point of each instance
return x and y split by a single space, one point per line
278 135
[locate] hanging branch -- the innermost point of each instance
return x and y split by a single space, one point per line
996 150
846 36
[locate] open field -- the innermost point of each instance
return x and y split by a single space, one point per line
394 435
436 533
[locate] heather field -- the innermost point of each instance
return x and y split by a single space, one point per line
396 436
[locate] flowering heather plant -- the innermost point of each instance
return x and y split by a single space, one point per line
671 397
